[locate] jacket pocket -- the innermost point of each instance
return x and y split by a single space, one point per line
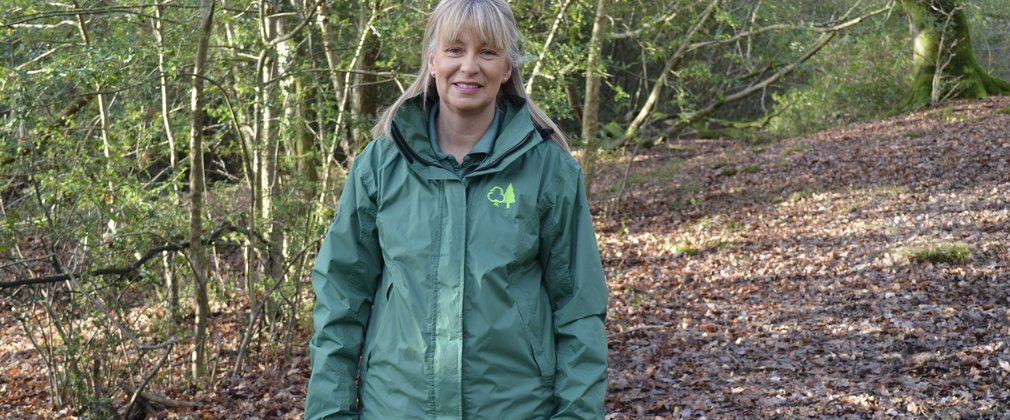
537 329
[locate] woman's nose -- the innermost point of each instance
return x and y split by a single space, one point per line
469 64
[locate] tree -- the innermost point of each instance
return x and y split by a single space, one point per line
198 256
944 59
591 109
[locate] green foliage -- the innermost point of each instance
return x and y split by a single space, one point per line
686 250
728 172
106 201
719 244
857 77
800 196
728 169
733 226
946 253
686 195
989 36
792 150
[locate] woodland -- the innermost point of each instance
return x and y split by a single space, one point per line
803 207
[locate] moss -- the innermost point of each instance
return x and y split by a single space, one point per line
798 196
948 253
852 208
733 226
961 74
794 149
719 244
686 250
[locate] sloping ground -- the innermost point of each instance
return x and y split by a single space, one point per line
746 281
776 281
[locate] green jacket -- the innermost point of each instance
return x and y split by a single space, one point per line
474 297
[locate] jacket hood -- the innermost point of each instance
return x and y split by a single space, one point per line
516 135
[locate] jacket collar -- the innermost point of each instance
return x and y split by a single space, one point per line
516 135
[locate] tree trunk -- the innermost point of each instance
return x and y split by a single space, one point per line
331 50
944 60
298 114
366 92
198 256
269 169
591 109
305 143
171 282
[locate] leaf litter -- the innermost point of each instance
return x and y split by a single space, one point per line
800 302
746 281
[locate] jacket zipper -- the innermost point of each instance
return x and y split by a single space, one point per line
409 153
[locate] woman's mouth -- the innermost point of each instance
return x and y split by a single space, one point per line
466 86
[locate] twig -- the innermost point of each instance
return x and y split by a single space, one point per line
254 316
26 261
149 376
124 270
164 401
624 180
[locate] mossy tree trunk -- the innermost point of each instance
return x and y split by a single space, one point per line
945 65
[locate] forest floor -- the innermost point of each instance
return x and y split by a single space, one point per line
754 280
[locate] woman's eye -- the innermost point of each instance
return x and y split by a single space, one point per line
454 51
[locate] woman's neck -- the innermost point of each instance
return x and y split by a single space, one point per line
458 132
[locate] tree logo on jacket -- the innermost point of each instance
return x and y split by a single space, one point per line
498 196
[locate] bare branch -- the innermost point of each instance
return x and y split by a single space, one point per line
301 25
547 45
121 270
164 401
673 62
645 27
131 10
822 41
148 377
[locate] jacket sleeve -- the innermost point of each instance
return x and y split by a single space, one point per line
577 288
344 279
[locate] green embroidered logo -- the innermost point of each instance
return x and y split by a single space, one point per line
498 196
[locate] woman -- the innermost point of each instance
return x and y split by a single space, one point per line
461 276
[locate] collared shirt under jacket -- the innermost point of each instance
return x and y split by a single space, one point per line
474 295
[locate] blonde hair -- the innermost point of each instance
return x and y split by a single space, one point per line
494 24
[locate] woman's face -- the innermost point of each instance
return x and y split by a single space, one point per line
468 74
